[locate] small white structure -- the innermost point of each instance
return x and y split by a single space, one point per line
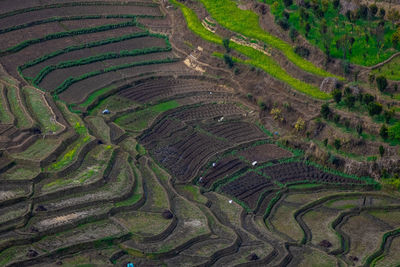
106 111
201 179
214 164
221 119
254 163
230 201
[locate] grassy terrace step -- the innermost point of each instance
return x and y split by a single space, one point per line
41 110
138 192
140 120
100 128
120 185
256 58
246 22
192 225
5 114
157 198
72 151
91 170
20 173
16 106
114 103
90 235
39 150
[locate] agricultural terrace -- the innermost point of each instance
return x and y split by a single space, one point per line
144 132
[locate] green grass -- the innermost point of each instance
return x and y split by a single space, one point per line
71 153
101 128
139 120
72 150
38 150
89 100
256 58
94 163
16 108
137 192
114 103
40 110
194 193
21 173
391 71
5 116
246 22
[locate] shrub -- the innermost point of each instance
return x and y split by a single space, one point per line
374 108
325 111
381 150
359 128
228 60
302 51
283 22
336 4
381 82
337 95
287 3
349 101
383 132
300 124
277 114
225 42
293 33
337 144
388 115
336 118
368 98
394 131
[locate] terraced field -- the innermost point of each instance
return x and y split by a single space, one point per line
115 150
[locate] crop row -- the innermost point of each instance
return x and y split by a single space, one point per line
58 35
96 58
68 82
72 4
79 47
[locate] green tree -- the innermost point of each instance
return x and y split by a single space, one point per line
381 150
228 60
373 9
325 111
374 108
293 33
388 115
382 12
359 128
337 144
226 42
349 101
368 98
288 3
383 132
371 78
336 4
381 82
337 95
